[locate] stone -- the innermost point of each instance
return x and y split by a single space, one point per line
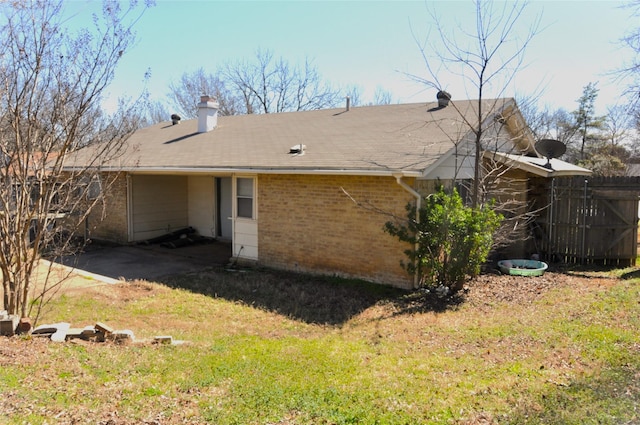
74 333
60 335
24 326
88 332
8 325
101 327
123 336
164 339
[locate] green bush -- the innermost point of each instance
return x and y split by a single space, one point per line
450 240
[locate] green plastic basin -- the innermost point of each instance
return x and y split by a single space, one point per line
522 267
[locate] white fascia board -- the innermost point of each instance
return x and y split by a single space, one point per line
536 166
227 171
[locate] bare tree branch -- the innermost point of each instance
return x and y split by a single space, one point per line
51 85
269 85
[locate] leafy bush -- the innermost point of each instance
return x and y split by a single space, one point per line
450 240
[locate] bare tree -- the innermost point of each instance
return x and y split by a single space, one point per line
486 59
51 81
184 94
155 112
558 124
609 149
354 91
382 96
631 70
618 124
271 84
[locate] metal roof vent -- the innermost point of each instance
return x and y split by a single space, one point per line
175 119
443 98
297 149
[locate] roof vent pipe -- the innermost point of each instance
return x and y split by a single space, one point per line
348 102
443 99
207 114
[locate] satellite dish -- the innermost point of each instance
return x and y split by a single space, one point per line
550 149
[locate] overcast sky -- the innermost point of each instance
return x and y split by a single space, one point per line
372 44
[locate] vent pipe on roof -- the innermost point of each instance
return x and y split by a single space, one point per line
207 114
348 102
443 98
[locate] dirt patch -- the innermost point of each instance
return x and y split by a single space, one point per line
491 288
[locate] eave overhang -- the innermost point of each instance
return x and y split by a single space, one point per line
255 170
538 166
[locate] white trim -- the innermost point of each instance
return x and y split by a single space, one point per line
245 230
254 181
225 172
535 165
129 207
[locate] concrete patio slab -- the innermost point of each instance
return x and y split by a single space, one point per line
149 262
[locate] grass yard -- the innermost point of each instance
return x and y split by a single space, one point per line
264 347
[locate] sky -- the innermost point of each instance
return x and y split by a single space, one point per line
373 44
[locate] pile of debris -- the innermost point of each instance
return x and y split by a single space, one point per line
61 332
179 238
100 332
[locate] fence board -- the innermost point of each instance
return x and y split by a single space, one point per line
593 220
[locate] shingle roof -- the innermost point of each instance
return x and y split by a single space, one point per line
369 139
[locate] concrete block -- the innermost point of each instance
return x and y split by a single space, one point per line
164 339
8 325
124 336
60 335
101 327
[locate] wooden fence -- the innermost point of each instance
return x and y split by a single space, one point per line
592 220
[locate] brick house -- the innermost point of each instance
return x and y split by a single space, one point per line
307 191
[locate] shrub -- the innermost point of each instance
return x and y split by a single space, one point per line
450 240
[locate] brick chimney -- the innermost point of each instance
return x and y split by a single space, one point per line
207 114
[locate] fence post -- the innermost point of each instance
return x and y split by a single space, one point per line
550 221
584 222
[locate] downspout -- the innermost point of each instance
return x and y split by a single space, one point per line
418 197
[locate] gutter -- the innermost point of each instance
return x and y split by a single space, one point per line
250 170
418 196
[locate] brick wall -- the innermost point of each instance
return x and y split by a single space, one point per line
108 221
511 195
308 223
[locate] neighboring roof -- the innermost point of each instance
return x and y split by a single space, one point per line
539 167
405 139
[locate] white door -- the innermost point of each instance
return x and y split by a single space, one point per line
224 210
